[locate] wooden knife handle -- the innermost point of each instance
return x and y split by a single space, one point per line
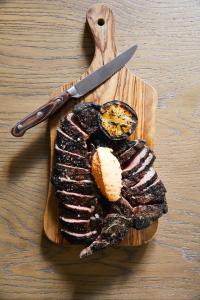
40 115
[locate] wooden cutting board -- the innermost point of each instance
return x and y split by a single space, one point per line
125 86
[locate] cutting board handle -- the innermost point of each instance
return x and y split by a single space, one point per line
102 25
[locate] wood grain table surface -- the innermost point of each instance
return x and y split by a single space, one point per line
44 44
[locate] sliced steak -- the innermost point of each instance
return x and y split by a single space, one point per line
156 188
78 211
85 216
74 225
101 140
86 114
119 147
144 215
79 238
117 223
80 223
77 199
114 229
73 173
87 187
140 216
78 229
73 130
122 207
136 161
148 177
130 153
72 159
147 198
132 181
65 142
75 211
145 164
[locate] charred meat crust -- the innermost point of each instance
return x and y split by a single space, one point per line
130 153
145 215
156 190
137 173
66 142
79 238
137 186
114 229
86 114
141 216
76 199
68 127
117 223
84 187
70 158
74 173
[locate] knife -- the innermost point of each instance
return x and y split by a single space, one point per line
76 91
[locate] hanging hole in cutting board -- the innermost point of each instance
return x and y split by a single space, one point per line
100 22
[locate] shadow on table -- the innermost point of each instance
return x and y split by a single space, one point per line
93 275
88 44
29 155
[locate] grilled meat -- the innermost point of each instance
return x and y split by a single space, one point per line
84 214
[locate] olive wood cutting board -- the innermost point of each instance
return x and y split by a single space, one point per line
125 86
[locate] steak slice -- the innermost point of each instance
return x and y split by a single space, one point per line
101 140
76 199
120 146
84 186
147 198
65 142
114 229
80 216
75 211
156 188
141 216
74 225
73 173
131 152
144 166
72 159
136 162
139 184
86 114
81 230
79 238
144 215
69 127
122 207
92 211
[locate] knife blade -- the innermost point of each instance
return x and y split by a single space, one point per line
78 90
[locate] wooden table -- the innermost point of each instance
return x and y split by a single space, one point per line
44 44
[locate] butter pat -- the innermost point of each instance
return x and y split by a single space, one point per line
107 172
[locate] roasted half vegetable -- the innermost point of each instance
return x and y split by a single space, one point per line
117 119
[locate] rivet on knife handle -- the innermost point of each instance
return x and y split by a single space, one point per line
40 114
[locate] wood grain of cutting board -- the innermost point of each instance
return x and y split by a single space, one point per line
124 85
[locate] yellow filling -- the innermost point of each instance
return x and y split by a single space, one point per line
117 120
